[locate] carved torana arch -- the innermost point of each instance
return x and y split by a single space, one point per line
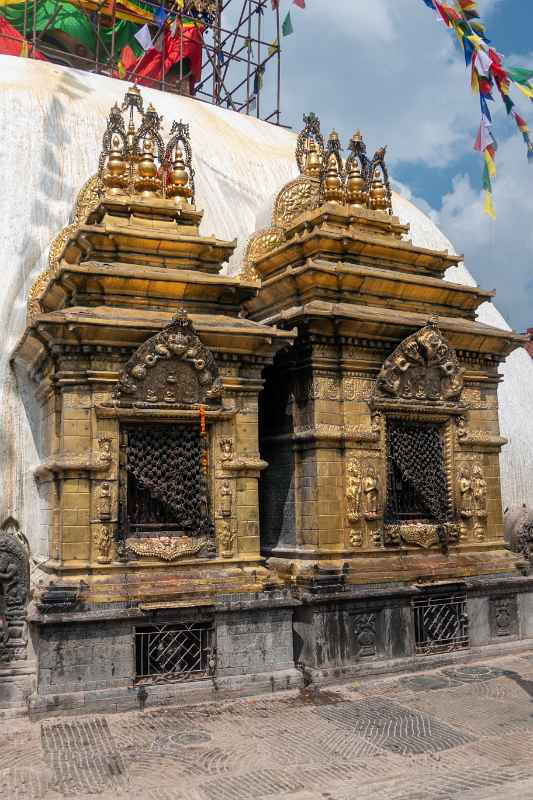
173 368
422 368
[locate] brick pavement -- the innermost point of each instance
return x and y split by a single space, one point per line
463 733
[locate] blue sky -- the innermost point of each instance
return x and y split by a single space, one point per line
390 68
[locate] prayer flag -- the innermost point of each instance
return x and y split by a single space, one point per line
144 37
488 206
160 16
484 138
286 27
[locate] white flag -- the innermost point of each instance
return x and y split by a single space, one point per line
144 38
483 63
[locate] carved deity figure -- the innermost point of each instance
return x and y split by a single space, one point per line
371 493
464 484
225 499
479 488
104 503
226 449
353 491
106 455
103 543
226 538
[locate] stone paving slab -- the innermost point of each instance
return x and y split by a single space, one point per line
450 734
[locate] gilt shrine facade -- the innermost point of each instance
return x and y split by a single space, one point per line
255 481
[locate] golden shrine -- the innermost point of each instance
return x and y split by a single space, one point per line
249 480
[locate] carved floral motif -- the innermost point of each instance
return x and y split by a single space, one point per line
167 548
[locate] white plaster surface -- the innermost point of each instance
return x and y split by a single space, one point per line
52 120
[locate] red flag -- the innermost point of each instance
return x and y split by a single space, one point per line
275 4
12 43
299 3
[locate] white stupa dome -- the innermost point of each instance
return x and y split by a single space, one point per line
53 119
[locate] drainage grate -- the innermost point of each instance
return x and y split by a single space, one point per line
174 652
441 624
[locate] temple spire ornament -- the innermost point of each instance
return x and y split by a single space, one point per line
136 161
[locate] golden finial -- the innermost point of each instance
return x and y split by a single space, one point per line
313 163
356 137
355 186
147 181
332 187
115 176
178 183
378 194
333 182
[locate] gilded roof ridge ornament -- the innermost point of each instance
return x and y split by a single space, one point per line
310 147
356 183
135 160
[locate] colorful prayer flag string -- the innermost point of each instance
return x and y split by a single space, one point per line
487 73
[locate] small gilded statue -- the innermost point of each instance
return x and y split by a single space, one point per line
104 502
225 499
103 542
479 489
226 449
353 491
464 484
226 539
371 494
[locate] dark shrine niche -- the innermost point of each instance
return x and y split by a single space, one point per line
172 369
423 368
417 483
164 496
14 592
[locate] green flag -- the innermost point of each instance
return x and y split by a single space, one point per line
519 74
287 28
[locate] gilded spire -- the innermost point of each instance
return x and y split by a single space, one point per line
136 161
333 179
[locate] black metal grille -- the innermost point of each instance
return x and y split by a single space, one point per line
165 487
417 481
174 652
441 623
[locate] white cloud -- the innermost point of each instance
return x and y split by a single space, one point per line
386 66
498 253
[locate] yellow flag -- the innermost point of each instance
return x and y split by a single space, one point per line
121 70
489 205
273 47
525 90
477 41
475 81
491 166
24 50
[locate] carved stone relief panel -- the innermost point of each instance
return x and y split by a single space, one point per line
365 633
226 538
14 592
503 616
471 493
363 502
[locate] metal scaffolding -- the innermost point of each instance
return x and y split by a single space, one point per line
240 48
